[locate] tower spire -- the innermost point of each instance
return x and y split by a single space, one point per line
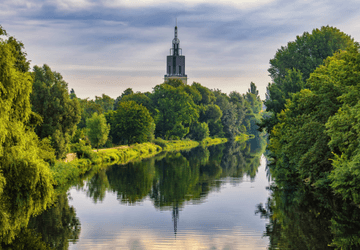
175 63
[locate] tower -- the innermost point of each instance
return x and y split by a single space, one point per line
175 62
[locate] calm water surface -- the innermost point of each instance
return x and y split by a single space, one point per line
202 199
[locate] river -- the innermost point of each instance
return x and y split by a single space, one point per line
194 205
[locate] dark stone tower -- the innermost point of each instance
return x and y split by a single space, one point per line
175 63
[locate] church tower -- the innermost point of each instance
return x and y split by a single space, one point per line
175 63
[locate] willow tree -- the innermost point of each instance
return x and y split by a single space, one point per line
25 179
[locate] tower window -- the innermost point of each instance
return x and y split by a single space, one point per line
169 70
179 70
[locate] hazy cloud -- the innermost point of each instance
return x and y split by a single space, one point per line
228 41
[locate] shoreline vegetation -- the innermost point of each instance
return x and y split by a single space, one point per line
87 160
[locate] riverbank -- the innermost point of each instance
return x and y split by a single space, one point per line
87 159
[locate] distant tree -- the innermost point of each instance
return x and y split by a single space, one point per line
141 98
229 115
88 107
105 101
50 99
72 94
199 131
210 113
130 123
207 97
177 111
127 91
98 130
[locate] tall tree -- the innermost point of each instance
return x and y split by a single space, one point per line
88 107
50 99
105 101
127 91
130 123
308 51
98 130
177 111
25 179
293 64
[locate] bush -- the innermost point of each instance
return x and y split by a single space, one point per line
160 142
82 151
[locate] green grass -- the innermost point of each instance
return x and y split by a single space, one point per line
175 145
67 172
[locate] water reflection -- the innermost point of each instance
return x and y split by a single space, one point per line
53 229
172 179
303 219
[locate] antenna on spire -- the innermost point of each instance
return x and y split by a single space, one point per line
176 21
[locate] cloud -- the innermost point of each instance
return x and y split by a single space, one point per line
227 40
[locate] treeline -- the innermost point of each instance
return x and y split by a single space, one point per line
313 125
173 110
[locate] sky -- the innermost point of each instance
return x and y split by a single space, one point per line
106 46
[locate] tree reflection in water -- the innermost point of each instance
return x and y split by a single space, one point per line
305 220
53 229
173 179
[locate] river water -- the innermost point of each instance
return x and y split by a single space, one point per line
200 199
205 198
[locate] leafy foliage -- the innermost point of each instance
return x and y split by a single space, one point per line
130 123
25 179
50 99
314 142
293 64
98 129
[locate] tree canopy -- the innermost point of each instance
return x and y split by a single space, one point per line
25 178
98 129
130 123
60 114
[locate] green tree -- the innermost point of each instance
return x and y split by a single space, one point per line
130 123
177 111
88 108
293 64
307 52
199 131
229 115
50 99
98 130
25 180
126 92
105 101
142 99
207 97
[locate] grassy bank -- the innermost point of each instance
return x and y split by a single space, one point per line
87 159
